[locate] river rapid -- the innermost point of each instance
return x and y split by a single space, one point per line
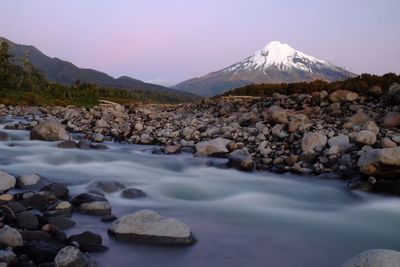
239 219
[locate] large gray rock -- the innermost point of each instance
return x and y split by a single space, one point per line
49 130
214 146
241 159
375 258
313 142
383 162
148 226
10 237
7 181
71 257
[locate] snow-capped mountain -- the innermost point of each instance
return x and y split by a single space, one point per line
275 63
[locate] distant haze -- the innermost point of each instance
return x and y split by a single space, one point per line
170 41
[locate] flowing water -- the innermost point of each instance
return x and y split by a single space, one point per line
239 219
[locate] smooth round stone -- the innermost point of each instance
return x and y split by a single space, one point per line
10 237
71 257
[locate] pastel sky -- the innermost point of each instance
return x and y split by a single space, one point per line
173 40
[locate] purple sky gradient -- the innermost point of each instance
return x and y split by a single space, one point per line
179 39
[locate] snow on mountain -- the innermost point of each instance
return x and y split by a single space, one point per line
280 55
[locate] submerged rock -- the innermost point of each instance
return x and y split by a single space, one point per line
148 226
375 258
49 130
108 186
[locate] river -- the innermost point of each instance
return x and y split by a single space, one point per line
239 219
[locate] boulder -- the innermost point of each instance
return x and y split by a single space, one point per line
148 226
7 182
375 258
59 189
27 220
88 241
366 137
71 257
211 147
392 120
241 159
10 237
67 144
312 142
382 162
49 130
343 96
277 114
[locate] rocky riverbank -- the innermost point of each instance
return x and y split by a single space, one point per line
342 134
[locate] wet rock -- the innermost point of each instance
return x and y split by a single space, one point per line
41 251
131 193
241 159
211 147
108 218
63 205
10 237
6 197
36 236
366 137
31 181
84 144
67 144
27 220
148 226
49 130
375 258
92 204
7 182
61 222
172 149
71 257
99 146
382 162
60 190
97 137
312 142
108 186
88 241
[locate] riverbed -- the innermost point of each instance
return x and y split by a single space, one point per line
238 218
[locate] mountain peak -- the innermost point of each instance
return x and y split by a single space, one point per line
281 56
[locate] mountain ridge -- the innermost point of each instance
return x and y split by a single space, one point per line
65 72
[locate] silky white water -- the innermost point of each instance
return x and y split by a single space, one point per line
239 219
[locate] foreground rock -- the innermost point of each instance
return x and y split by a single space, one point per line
92 204
10 237
375 258
49 130
71 257
7 182
382 162
148 226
